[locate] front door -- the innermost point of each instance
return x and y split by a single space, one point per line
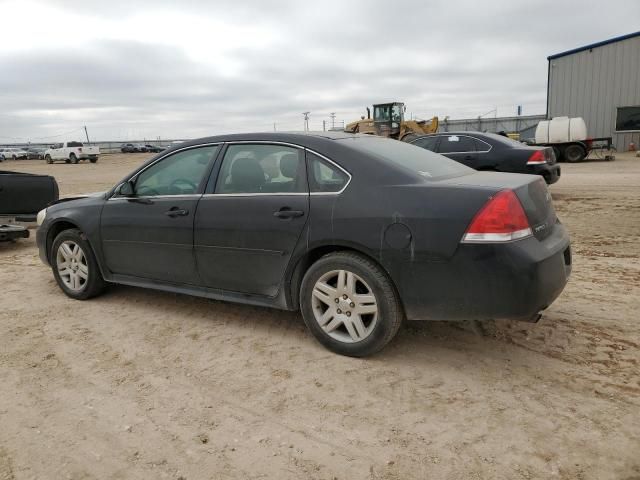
251 220
150 234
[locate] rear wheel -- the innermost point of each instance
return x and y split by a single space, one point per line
93 159
349 304
574 153
73 159
74 266
48 159
14 158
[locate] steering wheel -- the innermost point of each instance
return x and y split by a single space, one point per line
176 185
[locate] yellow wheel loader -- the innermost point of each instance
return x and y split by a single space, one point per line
388 121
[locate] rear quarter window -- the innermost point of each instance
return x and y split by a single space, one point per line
418 160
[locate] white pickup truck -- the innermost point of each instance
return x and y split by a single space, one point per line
71 152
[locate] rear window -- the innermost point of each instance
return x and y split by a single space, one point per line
74 144
411 157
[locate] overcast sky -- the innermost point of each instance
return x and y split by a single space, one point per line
133 69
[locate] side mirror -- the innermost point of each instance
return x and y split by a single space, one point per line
126 189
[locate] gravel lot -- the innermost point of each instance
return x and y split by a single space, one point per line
144 384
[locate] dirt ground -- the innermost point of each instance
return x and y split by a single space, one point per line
144 384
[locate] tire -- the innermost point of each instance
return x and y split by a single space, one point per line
14 158
48 159
73 159
355 335
574 153
93 159
64 250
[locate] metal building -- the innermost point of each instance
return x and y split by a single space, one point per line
600 83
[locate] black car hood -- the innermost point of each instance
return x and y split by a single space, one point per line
78 197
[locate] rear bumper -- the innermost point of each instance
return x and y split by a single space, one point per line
551 173
12 232
514 281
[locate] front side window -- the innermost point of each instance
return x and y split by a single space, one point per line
628 119
325 177
456 144
178 174
262 168
396 113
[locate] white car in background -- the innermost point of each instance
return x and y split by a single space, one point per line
13 153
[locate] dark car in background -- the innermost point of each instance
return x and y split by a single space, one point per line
35 153
492 152
358 232
128 148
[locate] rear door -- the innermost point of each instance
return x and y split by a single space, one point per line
252 217
460 148
150 234
428 142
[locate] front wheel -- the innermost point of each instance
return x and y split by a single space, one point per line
74 266
73 159
349 304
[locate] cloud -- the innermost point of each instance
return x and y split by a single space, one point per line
161 68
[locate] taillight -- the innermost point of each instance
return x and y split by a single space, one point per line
537 158
502 219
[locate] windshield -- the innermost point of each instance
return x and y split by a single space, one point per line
381 113
425 163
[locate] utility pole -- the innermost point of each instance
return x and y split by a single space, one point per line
274 126
85 132
306 121
333 120
324 125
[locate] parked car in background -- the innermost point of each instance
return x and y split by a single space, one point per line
13 153
491 152
71 152
134 148
2 157
154 148
359 232
36 153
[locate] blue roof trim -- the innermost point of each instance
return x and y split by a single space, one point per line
594 45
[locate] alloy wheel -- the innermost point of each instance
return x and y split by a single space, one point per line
344 306
72 266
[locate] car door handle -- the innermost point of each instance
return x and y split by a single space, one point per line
286 212
176 212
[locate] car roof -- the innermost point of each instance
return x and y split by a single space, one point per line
305 139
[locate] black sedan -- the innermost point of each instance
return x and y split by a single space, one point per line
491 152
358 232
